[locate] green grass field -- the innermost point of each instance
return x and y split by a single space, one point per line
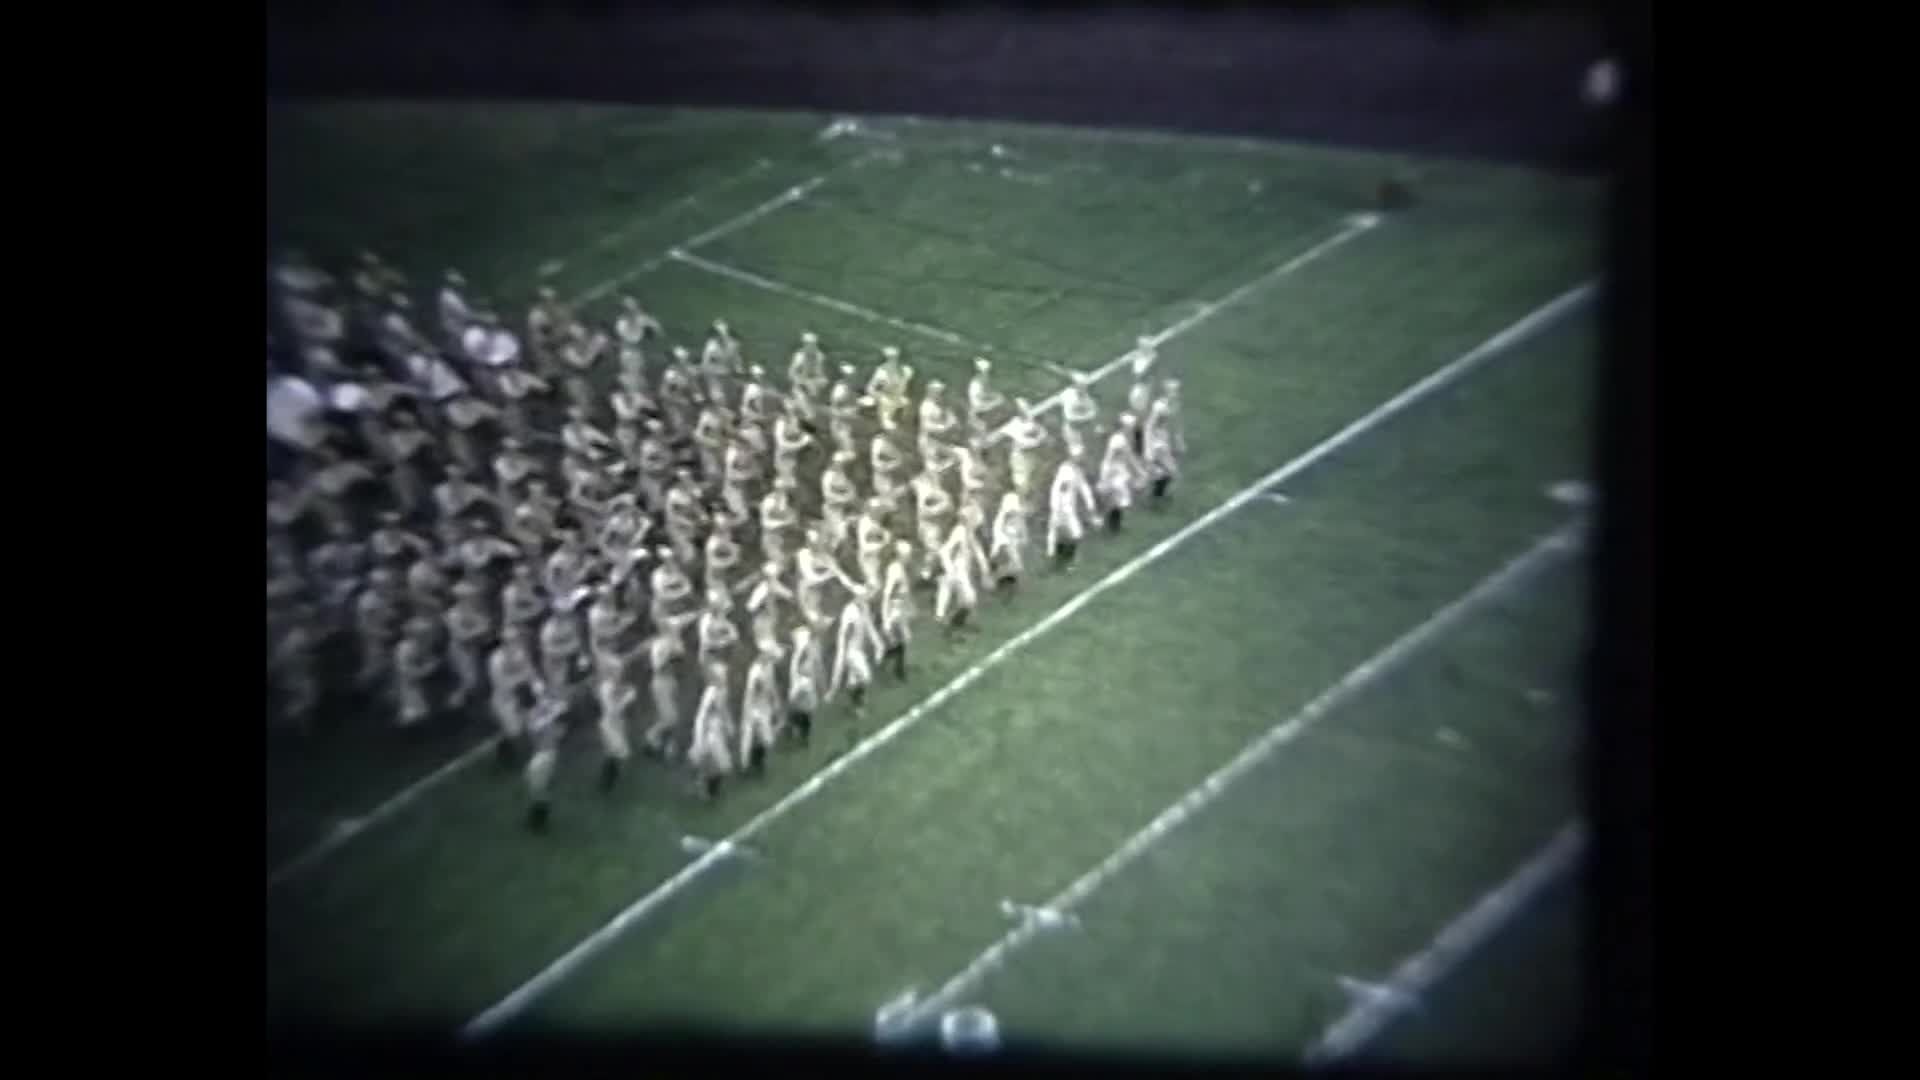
1342 852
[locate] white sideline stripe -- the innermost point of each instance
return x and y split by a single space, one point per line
761 281
691 199
1359 224
399 801
1558 544
522 996
791 195
1467 932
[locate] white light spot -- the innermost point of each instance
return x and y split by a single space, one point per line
1540 698
1602 84
1450 737
972 1030
1571 493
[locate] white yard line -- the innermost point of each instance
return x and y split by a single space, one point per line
1358 224
338 838
1424 970
691 199
561 967
1555 546
786 198
761 281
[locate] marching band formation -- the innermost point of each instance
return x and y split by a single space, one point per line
461 513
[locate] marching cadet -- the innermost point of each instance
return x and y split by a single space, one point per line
759 705
607 625
897 610
885 460
858 643
982 399
544 323
376 618
582 438
413 664
512 684
622 532
407 447
286 505
1162 465
871 541
960 554
719 360
587 487
776 517
534 518
631 405
1067 495
338 564
663 648
469 625
753 436
291 661
522 605
427 581
763 590
885 384
565 573
936 423
512 467
455 313
1140 396
656 466
715 631
516 385
480 549
789 439
973 480
712 727
1077 412
722 552
803 681
580 353
757 402
457 495
838 497
670 586
615 694
815 567
1176 429
633 327
710 435
393 542
1008 554
1119 472
332 484
677 391
686 516
808 371
933 508
543 735
842 407
560 652
1028 435
465 414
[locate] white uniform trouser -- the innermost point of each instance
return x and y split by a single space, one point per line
466 667
1006 558
856 669
803 696
956 593
613 734
709 752
540 765
558 667
930 535
1020 462
507 713
1116 487
756 729
1063 525
835 520
666 711
413 700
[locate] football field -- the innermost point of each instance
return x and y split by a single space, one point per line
1288 766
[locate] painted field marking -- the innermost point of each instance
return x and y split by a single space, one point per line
1543 553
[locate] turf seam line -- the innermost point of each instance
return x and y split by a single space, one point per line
558 969
1208 309
395 803
786 198
845 307
1560 543
1470 930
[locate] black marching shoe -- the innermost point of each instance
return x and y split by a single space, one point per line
1006 583
1161 485
537 815
757 760
1113 520
710 788
504 754
900 662
858 695
803 726
609 774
